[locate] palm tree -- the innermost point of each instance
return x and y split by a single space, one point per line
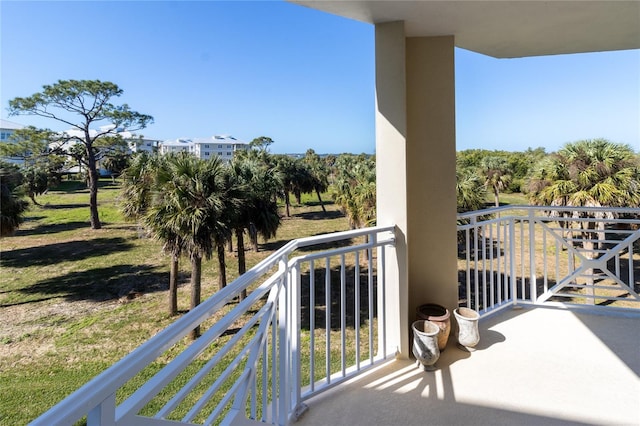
497 175
589 173
256 212
354 189
137 183
187 212
470 192
12 206
319 173
302 180
231 191
470 195
144 175
287 168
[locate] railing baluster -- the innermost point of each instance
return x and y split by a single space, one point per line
631 264
356 319
283 353
512 261
343 316
295 337
104 414
476 229
505 265
545 270
327 301
491 271
498 276
533 291
381 326
265 373
382 291
467 249
274 365
312 325
523 280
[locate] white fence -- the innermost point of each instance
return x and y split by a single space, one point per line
309 322
525 254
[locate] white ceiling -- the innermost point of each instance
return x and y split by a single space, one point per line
506 29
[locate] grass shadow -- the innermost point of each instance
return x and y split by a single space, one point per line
79 186
70 186
100 284
273 245
319 215
53 228
52 254
64 206
316 203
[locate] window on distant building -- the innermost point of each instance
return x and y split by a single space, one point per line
228 153
220 146
228 146
206 146
206 154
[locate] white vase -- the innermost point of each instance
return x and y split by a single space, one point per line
425 343
468 334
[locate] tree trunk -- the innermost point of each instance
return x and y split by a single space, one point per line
321 203
173 286
33 199
242 265
298 196
93 186
253 235
496 197
230 245
196 289
222 266
287 202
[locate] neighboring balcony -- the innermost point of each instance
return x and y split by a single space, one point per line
560 331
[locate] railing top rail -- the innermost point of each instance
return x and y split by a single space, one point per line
105 384
501 209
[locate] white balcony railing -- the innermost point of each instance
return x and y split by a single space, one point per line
315 315
309 322
524 254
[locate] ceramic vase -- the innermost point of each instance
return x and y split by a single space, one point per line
438 315
425 343
468 334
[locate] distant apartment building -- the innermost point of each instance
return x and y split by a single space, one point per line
173 146
7 128
222 146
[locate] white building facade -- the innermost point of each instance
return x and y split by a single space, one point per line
7 128
222 146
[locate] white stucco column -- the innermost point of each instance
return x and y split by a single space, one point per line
391 176
415 148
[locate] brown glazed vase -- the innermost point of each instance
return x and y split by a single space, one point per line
440 316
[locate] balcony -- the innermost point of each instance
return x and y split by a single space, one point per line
314 341
532 366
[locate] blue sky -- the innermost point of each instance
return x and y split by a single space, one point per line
299 76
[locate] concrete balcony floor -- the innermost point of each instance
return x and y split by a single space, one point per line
533 366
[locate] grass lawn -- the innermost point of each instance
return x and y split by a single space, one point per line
74 300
